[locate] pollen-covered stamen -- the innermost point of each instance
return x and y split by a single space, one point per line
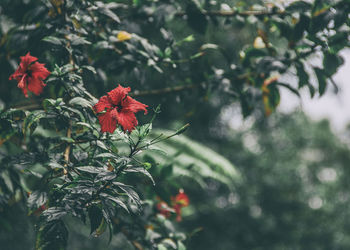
21 83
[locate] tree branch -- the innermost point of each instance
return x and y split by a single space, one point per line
236 13
164 91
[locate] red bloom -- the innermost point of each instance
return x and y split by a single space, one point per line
30 75
164 209
181 200
120 108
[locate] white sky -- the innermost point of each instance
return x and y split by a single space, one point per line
335 107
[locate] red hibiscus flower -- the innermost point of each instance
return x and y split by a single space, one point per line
30 75
164 209
181 200
119 109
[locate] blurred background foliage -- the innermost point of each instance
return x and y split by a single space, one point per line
278 183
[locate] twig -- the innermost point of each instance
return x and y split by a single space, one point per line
67 150
164 91
236 13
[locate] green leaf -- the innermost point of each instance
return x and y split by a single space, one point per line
53 40
251 53
144 130
193 160
84 124
301 27
331 63
299 6
31 121
52 236
161 247
131 194
106 11
105 176
286 85
106 155
90 68
170 243
321 77
302 75
96 218
54 213
208 46
180 245
90 169
36 199
79 101
77 40
116 200
338 41
141 170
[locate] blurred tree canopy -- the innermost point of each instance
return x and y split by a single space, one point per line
277 184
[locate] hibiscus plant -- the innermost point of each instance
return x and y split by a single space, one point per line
77 147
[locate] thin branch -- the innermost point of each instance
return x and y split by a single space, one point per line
236 13
27 106
67 150
164 90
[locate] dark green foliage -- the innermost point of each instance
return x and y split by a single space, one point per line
51 236
193 57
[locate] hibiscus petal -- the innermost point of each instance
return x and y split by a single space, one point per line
127 120
103 103
39 71
23 66
26 61
107 122
130 104
118 94
35 85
